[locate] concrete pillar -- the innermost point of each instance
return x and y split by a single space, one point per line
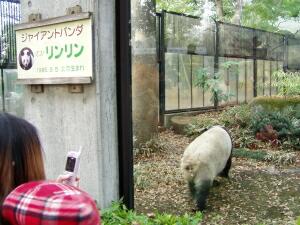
89 119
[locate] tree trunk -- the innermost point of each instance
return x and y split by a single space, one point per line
237 17
219 9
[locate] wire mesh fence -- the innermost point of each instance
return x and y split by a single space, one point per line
201 55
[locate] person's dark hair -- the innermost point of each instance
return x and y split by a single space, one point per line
21 157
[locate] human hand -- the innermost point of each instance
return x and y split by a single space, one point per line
67 179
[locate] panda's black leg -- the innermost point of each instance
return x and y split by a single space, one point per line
201 194
192 188
216 183
225 171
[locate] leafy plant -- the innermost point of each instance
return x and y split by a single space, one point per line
199 125
287 128
218 95
202 79
243 138
287 83
211 82
238 115
277 120
118 214
291 142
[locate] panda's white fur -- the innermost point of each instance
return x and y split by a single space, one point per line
206 157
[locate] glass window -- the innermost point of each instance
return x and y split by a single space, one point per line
13 93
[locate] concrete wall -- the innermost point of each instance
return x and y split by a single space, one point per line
66 121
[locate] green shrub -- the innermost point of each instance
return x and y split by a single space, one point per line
243 138
211 82
277 120
238 115
286 83
291 142
118 214
243 124
199 124
286 126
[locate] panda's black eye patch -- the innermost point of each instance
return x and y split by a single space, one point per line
188 168
28 53
22 53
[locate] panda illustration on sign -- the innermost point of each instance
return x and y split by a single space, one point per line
26 58
208 156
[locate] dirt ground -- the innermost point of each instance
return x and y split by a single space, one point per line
256 193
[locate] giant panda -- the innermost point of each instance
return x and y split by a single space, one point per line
204 158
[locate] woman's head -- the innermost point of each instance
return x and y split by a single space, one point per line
21 157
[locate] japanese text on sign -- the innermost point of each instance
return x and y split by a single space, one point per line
52 34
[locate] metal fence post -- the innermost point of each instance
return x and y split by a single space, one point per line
254 65
216 59
162 84
285 54
2 91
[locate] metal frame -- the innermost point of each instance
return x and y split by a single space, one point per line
11 15
123 73
216 58
254 57
161 60
2 91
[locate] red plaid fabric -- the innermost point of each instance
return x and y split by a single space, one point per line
49 203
